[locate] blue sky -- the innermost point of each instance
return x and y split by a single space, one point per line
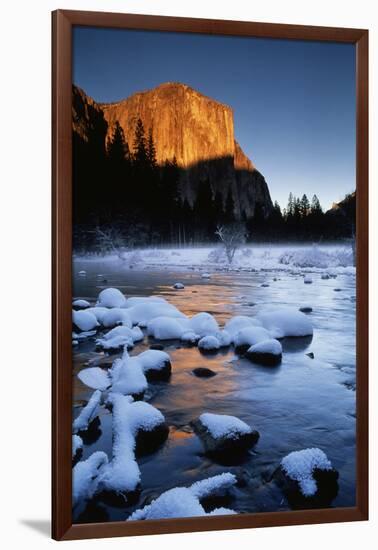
293 101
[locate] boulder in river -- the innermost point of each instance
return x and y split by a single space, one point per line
148 441
203 372
222 435
267 352
307 479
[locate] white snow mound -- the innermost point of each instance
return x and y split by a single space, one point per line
87 413
249 336
185 502
209 343
95 378
271 346
286 322
222 425
84 320
111 297
300 466
85 476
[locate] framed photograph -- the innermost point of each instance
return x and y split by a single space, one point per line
210 274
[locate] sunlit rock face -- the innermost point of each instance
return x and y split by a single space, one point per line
196 130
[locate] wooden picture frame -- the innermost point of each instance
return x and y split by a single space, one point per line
62 24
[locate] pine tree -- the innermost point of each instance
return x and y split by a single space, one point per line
290 205
151 150
118 150
140 148
315 206
304 206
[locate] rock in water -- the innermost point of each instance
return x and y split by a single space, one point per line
203 372
180 117
178 286
224 435
305 309
267 352
307 479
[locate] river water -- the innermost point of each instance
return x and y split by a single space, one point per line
302 403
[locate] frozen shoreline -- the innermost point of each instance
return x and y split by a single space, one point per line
334 259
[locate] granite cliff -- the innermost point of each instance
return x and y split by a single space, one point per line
196 130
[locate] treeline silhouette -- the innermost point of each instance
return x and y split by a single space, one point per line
305 220
120 186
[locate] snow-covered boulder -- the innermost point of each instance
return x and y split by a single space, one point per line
77 448
85 477
238 322
120 479
190 337
224 338
128 377
325 276
83 320
268 352
156 364
99 312
95 378
204 324
206 275
149 427
87 413
222 434
80 304
111 297
209 344
178 286
165 328
249 336
145 310
307 280
82 273
182 502
116 316
137 428
138 335
265 285
117 339
286 322
307 476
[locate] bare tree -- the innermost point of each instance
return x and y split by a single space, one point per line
110 239
232 236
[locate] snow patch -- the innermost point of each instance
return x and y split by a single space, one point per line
84 320
85 476
300 466
111 297
209 343
87 413
222 425
95 378
184 502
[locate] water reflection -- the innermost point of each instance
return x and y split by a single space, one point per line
301 403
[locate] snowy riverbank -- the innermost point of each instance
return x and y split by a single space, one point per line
336 257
